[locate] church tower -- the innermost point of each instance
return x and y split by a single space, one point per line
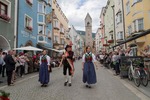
88 30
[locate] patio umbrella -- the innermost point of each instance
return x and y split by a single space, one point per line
28 48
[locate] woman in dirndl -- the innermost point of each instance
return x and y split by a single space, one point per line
44 69
89 74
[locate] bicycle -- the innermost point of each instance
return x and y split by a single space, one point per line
138 73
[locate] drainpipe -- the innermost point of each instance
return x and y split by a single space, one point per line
52 27
123 22
17 22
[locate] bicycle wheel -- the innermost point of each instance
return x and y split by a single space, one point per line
144 79
137 79
130 77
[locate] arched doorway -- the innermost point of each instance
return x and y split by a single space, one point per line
4 44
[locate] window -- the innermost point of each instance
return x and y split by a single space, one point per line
41 29
128 7
41 7
119 18
5 10
62 41
140 24
28 22
56 23
134 23
120 35
41 18
56 39
129 30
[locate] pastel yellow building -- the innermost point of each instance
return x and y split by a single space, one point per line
137 20
60 26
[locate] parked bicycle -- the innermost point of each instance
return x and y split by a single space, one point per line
138 73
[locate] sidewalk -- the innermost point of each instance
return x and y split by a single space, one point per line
141 88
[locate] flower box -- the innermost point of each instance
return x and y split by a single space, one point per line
110 41
29 28
5 17
4 95
105 44
29 2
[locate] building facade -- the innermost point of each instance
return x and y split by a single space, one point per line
60 27
119 21
27 23
34 23
109 14
102 29
44 24
8 24
77 40
98 40
137 20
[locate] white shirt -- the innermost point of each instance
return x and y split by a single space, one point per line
93 58
48 59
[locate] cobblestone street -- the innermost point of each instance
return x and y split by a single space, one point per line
108 87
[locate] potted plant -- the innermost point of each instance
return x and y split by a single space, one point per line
4 95
29 2
5 17
29 28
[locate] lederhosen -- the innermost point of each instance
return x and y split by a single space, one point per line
66 64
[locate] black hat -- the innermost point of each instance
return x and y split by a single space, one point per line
67 46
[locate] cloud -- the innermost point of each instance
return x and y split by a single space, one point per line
76 11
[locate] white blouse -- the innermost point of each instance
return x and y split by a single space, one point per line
48 60
93 58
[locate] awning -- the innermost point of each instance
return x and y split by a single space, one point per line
28 48
133 38
47 48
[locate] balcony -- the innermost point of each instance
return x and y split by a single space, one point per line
41 38
110 41
56 42
119 40
56 27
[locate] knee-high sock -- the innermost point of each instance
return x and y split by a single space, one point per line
70 79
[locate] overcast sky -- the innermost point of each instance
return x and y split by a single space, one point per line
76 11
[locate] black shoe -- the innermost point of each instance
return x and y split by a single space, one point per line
89 86
42 85
65 84
69 84
45 85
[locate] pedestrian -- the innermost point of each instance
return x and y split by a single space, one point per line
3 67
10 66
44 74
22 64
115 59
67 65
2 63
89 74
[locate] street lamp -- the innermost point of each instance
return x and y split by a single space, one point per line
114 23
